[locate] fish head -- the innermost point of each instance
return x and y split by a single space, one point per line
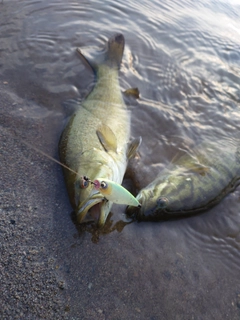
90 204
159 200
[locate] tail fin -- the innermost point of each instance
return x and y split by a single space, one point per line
112 56
115 50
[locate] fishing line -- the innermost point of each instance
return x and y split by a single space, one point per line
40 151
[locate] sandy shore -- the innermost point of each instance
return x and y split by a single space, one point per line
30 286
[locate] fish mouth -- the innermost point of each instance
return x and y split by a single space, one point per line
94 209
134 212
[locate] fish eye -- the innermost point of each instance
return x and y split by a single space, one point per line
162 203
104 185
84 182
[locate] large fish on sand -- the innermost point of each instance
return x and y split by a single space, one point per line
95 142
192 184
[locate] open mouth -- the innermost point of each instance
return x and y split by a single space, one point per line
95 209
94 212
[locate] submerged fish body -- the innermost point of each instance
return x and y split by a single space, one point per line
95 140
193 184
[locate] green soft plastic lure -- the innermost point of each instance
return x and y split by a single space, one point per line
114 192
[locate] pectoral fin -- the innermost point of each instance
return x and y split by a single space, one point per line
133 147
107 138
194 164
191 164
200 169
133 92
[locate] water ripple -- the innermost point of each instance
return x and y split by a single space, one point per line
218 235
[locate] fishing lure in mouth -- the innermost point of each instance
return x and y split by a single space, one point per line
114 192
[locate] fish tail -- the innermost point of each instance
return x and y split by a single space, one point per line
115 50
112 55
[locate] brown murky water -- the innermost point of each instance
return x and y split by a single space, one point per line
184 58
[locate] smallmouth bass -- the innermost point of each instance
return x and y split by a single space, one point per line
192 184
95 142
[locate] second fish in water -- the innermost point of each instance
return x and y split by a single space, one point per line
192 184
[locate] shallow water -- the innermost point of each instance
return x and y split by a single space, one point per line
184 58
